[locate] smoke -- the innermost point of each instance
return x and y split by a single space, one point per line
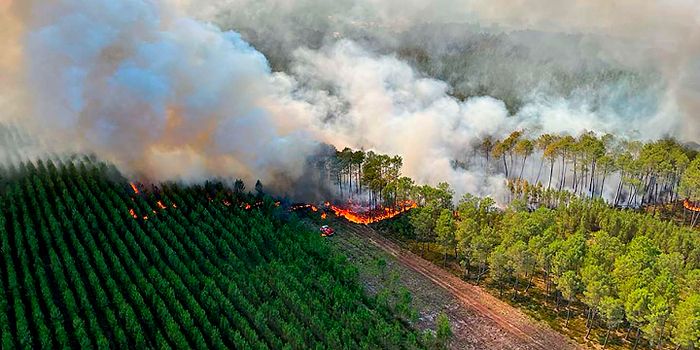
165 95
640 60
161 95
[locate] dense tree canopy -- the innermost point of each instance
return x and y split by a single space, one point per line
87 263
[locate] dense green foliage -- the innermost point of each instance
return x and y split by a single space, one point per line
627 269
78 270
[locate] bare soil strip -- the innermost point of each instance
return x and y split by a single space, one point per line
520 331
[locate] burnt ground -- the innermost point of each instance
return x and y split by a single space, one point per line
478 319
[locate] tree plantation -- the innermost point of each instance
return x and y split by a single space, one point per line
88 263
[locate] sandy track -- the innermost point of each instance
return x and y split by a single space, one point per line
517 329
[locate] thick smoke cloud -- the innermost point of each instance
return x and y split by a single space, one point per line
160 94
642 57
167 96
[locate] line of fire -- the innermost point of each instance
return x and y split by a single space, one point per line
363 188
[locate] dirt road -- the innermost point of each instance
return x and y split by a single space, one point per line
507 327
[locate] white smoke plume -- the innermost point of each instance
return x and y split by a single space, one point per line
160 94
510 45
166 96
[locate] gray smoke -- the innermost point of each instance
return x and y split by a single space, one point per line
155 88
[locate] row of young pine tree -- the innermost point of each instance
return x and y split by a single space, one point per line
86 263
631 274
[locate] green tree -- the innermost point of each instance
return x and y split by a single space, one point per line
445 229
637 309
524 148
686 319
423 222
612 310
569 285
690 186
500 268
443 331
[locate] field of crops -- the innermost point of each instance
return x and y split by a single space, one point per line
88 263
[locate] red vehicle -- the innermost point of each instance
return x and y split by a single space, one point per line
326 231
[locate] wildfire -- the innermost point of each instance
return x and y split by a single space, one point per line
323 215
160 205
690 205
133 214
133 187
373 215
302 206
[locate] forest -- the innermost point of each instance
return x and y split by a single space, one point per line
92 262
628 261
629 271
541 172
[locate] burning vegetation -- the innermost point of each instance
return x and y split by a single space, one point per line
374 215
691 206
358 214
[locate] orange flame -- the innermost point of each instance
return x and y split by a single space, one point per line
690 205
133 214
133 187
302 206
160 205
174 205
374 215
247 206
323 215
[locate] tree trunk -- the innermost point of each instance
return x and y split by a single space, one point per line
529 283
588 317
574 180
619 189
539 172
505 165
562 177
629 330
568 313
588 332
522 168
602 183
551 171
636 340
591 187
589 321
607 336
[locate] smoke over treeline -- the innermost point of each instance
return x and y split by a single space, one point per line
169 89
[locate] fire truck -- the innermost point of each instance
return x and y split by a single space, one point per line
326 231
